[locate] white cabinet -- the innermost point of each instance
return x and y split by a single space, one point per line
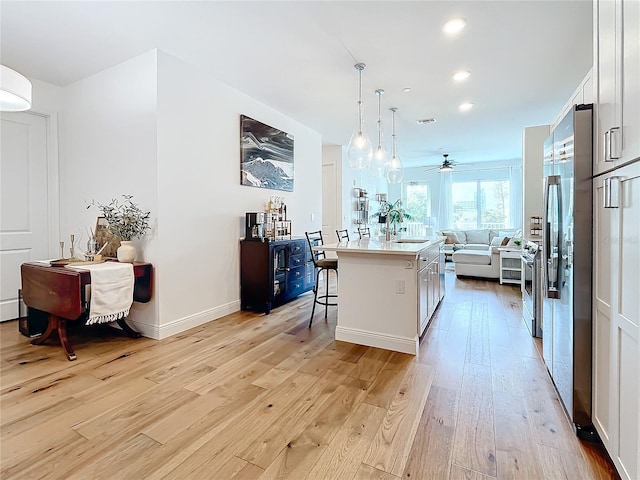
617 83
510 266
616 316
430 289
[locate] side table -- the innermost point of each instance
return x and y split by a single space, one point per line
510 265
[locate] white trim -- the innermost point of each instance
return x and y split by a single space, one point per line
53 180
185 323
371 339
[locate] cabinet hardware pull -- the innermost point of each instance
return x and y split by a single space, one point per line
607 146
613 143
611 192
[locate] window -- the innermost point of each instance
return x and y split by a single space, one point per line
417 203
480 204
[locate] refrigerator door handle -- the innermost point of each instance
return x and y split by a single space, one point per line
551 181
560 240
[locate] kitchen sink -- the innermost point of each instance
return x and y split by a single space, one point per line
410 240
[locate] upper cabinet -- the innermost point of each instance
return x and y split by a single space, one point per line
616 82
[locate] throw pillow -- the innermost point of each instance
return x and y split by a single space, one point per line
497 241
505 241
452 238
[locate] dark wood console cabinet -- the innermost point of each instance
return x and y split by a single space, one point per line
274 272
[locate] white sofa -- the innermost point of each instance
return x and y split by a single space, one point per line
476 254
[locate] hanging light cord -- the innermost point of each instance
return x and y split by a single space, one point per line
379 92
393 130
360 67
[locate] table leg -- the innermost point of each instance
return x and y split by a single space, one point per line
60 324
127 329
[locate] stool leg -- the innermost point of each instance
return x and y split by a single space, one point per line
315 297
326 293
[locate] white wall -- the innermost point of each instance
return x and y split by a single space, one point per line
201 202
358 179
159 129
332 194
532 172
107 126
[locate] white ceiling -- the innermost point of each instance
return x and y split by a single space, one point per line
525 58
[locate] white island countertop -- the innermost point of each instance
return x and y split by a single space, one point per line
401 246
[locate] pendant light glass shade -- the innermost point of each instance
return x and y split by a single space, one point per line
380 160
359 151
15 91
395 170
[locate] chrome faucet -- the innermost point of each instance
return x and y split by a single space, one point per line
387 220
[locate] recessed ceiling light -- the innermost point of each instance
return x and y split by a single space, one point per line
461 75
454 25
465 106
423 121
406 89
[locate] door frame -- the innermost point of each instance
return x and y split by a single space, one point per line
53 180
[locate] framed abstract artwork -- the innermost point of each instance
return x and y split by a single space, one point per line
266 156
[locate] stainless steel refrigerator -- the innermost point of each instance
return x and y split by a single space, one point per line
567 251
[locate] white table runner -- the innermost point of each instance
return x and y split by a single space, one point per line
111 290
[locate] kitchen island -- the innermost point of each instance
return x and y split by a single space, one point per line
387 290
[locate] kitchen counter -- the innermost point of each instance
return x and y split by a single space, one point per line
401 246
386 290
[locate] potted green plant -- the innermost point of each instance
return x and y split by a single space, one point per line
127 221
396 217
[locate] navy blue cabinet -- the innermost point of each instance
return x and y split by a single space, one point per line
274 272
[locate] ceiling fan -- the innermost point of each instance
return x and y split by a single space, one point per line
446 166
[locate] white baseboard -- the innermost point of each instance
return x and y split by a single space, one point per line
185 323
371 339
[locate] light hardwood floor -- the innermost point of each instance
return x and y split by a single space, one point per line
251 396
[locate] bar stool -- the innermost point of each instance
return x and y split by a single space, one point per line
342 235
364 232
321 263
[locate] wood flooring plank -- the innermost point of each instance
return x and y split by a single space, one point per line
382 390
248 472
197 433
301 453
265 448
560 464
505 376
550 424
16 456
370 364
430 455
391 446
344 454
239 434
130 453
462 473
367 472
474 444
517 452
136 413
478 348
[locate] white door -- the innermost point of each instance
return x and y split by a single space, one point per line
24 228
329 203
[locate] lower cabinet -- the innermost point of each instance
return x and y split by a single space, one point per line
430 284
272 273
616 317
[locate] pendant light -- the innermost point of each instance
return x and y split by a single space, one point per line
359 151
395 170
380 160
15 91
